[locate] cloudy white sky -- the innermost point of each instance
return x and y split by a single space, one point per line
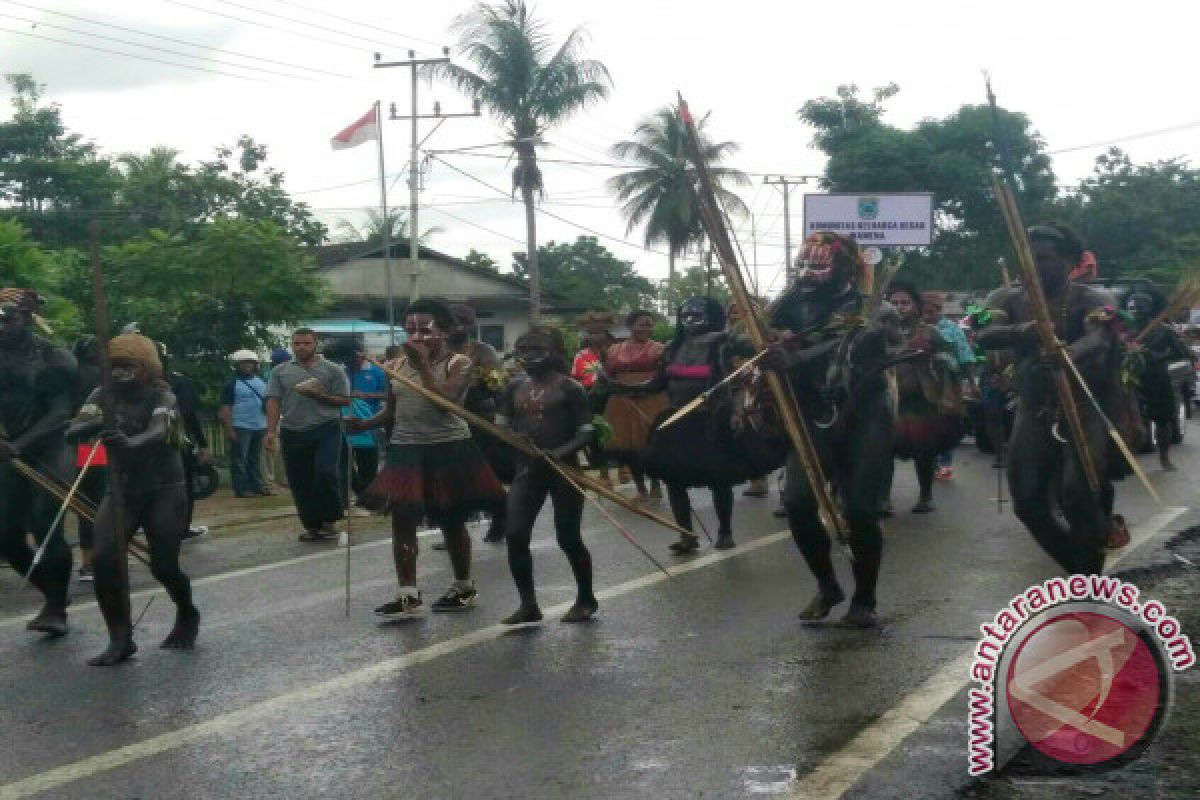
1086 72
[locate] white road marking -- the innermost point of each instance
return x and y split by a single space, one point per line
235 721
838 772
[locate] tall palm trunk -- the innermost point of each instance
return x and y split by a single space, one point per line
531 250
670 278
529 182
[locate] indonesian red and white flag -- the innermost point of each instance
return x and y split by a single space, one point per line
364 130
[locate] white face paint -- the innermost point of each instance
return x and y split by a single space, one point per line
815 265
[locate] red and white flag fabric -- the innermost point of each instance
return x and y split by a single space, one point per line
364 130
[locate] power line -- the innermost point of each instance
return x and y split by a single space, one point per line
177 41
1131 137
179 53
131 55
476 225
306 24
356 48
397 34
550 214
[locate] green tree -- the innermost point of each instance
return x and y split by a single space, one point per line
530 85
952 157
23 264
1139 219
696 281
481 260
371 231
585 274
660 193
48 177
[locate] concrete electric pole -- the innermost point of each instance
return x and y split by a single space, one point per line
414 163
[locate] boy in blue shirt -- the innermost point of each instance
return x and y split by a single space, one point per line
368 391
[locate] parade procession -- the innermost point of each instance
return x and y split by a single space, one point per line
580 469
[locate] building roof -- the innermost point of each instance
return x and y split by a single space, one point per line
333 255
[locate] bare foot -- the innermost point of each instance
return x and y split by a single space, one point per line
822 604
118 651
524 615
49 620
183 635
859 616
582 611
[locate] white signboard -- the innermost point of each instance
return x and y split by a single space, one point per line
876 220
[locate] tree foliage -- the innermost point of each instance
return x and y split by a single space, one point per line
695 281
1139 219
206 257
585 274
660 192
952 157
481 260
530 84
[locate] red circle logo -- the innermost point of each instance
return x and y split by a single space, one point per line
1084 688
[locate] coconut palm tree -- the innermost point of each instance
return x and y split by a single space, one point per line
371 230
530 85
660 193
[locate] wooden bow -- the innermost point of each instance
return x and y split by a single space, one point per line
756 328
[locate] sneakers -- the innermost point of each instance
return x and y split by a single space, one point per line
944 473
406 606
456 598
86 575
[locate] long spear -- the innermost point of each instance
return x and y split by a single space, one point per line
524 446
1187 293
108 414
756 328
1031 280
702 398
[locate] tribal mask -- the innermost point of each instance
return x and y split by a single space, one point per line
828 259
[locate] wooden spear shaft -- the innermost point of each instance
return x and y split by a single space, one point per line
781 390
116 497
517 443
1044 325
1184 296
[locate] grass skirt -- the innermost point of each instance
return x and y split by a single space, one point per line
921 430
447 479
702 450
630 417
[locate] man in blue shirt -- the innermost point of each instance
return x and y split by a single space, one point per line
368 391
243 416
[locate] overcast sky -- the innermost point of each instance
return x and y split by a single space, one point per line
1085 72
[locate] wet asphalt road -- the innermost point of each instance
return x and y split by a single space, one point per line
704 685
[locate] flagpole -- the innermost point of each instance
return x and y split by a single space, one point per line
386 228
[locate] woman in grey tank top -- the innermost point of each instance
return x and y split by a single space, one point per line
433 468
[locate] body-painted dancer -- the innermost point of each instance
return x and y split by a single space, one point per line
37 397
552 411
147 438
1050 490
433 467
835 361
1159 347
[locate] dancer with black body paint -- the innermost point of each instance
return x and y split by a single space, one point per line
147 436
37 396
552 410
1159 347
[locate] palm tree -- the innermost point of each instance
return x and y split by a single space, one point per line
660 193
529 85
372 230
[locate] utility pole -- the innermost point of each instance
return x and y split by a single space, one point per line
414 164
787 182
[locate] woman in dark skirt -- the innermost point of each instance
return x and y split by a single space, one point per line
700 449
929 413
433 469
